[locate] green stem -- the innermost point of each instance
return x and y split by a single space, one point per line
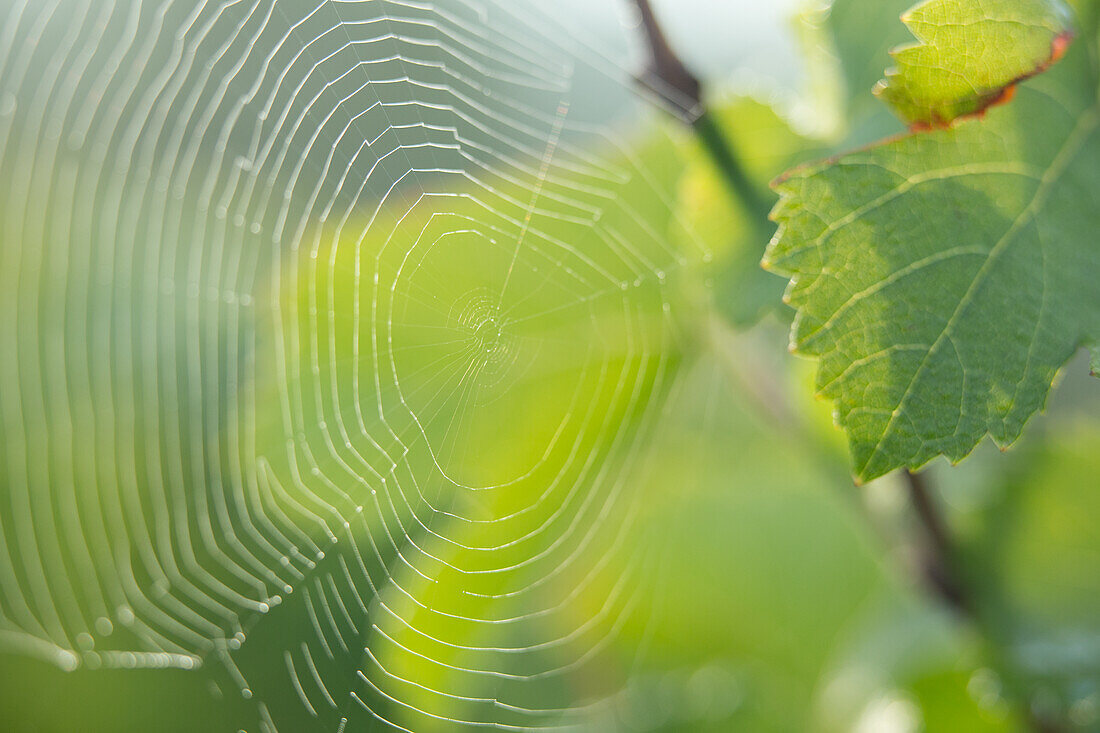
724 155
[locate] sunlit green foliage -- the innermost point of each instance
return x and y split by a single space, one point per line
488 439
970 55
943 278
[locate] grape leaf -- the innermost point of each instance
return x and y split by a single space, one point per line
942 278
971 55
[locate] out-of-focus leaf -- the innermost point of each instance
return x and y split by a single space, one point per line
847 44
815 628
762 515
1034 554
516 383
767 144
908 666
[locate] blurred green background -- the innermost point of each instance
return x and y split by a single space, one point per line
515 443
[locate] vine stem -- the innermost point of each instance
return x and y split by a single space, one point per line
938 563
940 566
668 77
943 575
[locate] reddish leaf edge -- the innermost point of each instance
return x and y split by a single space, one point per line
999 95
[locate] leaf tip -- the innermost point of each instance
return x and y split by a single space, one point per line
1060 45
930 102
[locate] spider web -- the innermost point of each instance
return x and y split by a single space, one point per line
333 332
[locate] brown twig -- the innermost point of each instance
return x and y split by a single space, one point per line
937 560
667 75
669 78
941 569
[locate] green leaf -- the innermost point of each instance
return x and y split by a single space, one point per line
943 278
971 54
